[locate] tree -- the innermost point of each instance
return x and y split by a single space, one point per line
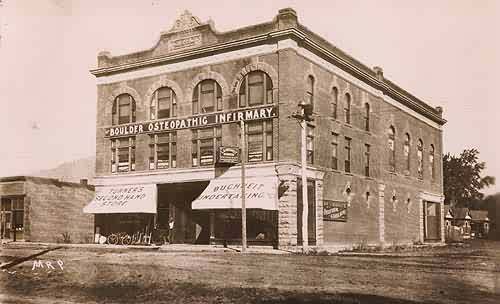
462 178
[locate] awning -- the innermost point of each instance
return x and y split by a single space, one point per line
224 192
123 199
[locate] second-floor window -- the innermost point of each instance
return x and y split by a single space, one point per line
123 110
259 140
310 144
163 151
256 89
347 162
123 154
163 104
335 152
207 97
367 160
204 145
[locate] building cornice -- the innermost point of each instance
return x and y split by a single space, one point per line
387 89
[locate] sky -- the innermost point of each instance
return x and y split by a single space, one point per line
447 53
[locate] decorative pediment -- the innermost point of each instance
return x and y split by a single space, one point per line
186 21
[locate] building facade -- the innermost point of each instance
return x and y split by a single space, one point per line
374 151
38 209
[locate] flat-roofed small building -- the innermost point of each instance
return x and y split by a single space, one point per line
38 209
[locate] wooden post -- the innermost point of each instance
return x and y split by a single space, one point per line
211 219
243 207
305 200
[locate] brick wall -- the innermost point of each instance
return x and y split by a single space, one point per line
183 83
373 219
53 208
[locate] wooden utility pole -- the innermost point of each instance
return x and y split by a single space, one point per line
243 207
305 201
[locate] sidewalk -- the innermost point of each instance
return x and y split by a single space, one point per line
40 245
162 248
220 248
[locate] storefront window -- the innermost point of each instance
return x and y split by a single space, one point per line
12 218
123 154
204 145
163 151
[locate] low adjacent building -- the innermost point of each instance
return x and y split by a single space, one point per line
480 223
38 209
463 223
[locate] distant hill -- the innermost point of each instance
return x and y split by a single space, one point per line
72 171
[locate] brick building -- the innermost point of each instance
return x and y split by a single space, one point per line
373 149
39 209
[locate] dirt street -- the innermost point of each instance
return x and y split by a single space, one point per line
78 275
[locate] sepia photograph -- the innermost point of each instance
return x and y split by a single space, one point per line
279 152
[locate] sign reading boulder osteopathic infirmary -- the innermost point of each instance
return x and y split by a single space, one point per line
197 121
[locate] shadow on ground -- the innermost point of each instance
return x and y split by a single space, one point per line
180 292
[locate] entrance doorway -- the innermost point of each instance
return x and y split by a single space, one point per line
432 221
174 200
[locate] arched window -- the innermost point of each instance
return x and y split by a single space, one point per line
392 150
431 163
367 117
334 103
207 97
347 108
163 104
123 110
420 151
406 151
256 89
310 90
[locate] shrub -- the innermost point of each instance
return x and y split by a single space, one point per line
66 237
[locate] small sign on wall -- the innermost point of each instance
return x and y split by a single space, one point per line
228 155
334 211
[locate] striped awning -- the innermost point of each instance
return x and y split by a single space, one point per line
224 192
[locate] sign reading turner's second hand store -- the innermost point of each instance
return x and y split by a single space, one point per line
195 121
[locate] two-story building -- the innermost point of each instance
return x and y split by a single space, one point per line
374 151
